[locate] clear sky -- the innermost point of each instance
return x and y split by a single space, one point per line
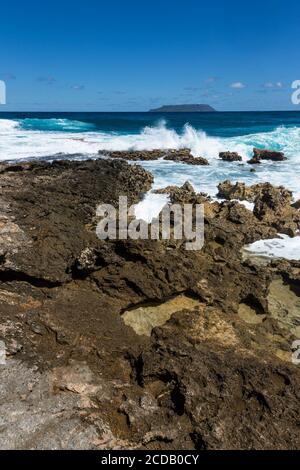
129 55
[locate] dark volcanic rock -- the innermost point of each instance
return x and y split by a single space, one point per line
230 157
134 155
217 375
271 155
53 201
254 161
181 155
185 156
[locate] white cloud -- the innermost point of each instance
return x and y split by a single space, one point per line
271 85
77 87
237 85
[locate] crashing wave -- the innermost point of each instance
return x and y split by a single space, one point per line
37 138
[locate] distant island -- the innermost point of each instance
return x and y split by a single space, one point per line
184 108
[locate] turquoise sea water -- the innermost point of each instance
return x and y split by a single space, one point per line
42 135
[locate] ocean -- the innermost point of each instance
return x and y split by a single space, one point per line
82 135
43 135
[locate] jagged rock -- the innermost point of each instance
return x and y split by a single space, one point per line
230 157
180 155
273 206
185 156
240 191
185 193
254 161
220 375
135 155
262 154
188 187
53 200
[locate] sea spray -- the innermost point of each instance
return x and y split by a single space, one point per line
60 137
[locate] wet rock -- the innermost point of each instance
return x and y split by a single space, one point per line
135 155
180 155
254 161
230 157
270 155
185 156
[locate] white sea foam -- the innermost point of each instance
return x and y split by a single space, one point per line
281 247
150 206
19 140
248 205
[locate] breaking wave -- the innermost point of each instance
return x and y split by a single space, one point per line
38 138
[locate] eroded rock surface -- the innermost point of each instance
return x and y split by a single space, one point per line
273 205
217 371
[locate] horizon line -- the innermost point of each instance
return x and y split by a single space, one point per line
158 112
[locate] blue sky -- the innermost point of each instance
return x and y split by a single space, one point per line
133 55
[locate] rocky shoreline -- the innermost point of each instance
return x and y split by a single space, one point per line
210 368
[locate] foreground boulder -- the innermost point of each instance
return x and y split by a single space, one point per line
224 373
270 155
83 372
53 201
